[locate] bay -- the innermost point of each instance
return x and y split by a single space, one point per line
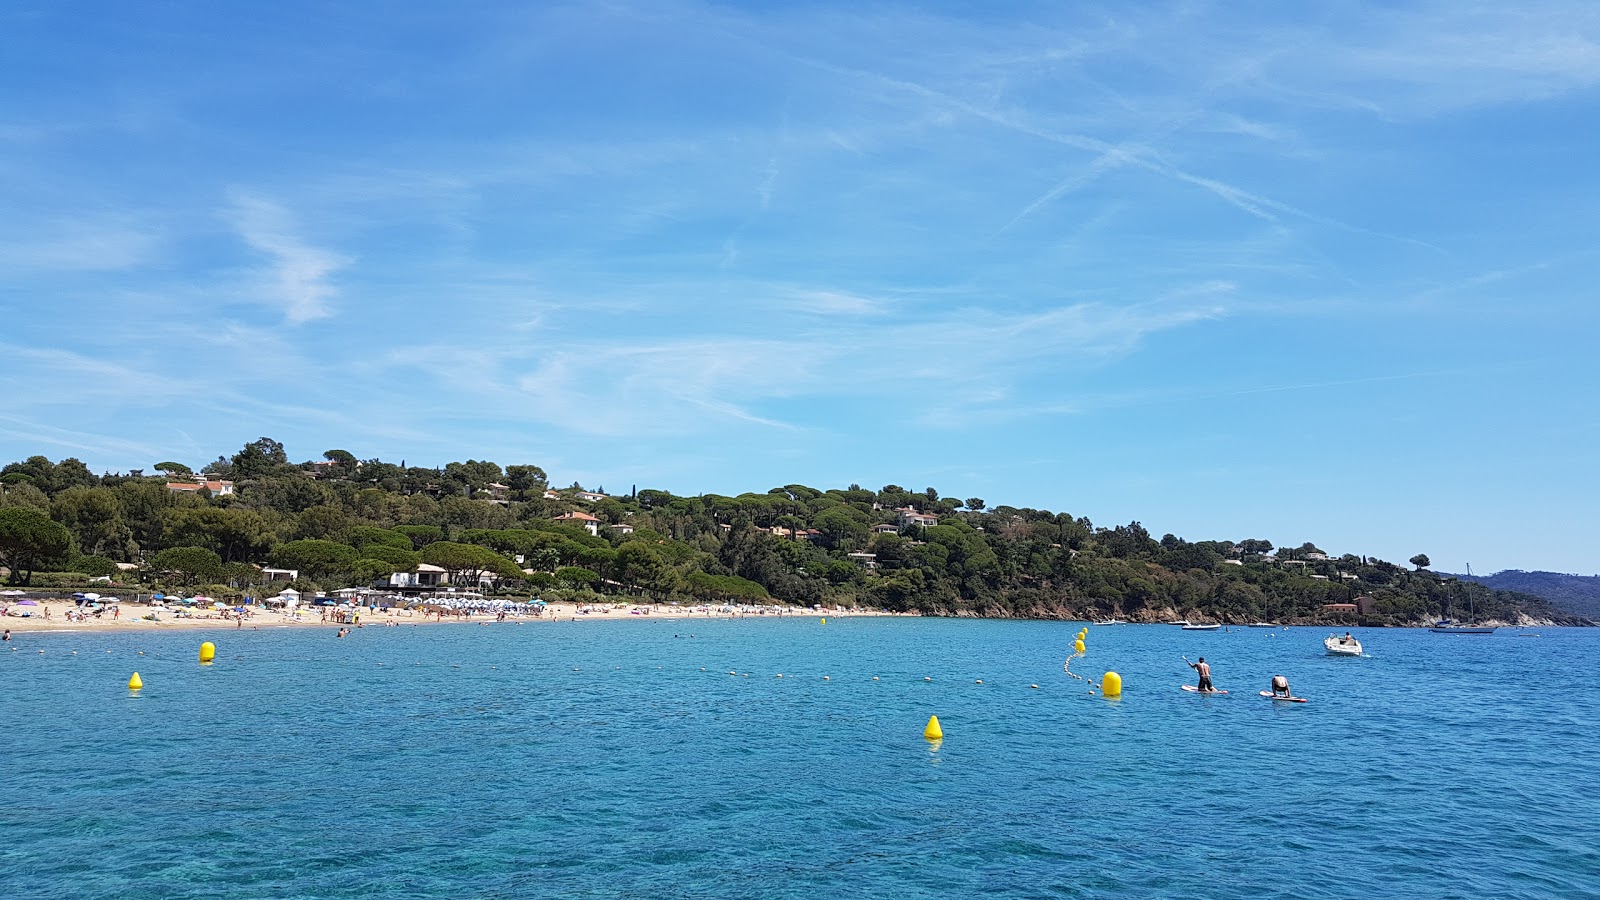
622 759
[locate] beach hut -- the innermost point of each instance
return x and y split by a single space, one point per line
289 597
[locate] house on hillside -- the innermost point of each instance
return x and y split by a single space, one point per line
589 496
885 528
426 575
621 528
864 560
217 488
582 519
908 516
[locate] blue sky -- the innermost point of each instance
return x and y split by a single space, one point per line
1318 271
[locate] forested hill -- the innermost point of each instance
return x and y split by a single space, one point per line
340 521
1576 594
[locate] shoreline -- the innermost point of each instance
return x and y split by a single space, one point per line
132 618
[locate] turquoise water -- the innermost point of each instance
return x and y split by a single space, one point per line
620 759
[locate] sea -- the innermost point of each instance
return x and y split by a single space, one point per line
662 757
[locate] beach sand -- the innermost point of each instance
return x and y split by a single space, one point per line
133 617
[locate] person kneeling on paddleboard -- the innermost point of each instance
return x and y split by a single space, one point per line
1280 686
1205 673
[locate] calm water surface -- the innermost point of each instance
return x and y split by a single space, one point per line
622 759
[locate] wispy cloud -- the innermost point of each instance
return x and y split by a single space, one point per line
298 279
83 244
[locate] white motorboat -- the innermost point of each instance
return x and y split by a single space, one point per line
1342 646
1191 627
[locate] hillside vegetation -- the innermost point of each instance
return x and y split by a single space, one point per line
340 521
1576 594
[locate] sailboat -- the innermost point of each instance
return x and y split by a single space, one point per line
1446 626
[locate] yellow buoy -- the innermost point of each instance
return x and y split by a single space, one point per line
824 621
1078 646
1111 684
135 682
208 651
933 732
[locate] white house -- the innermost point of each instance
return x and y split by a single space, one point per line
426 575
217 488
908 516
864 560
580 518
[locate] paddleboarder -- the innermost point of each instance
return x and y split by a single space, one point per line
1205 673
1280 686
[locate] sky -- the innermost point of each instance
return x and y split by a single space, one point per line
1320 271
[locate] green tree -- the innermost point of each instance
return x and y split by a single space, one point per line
259 458
1421 561
526 481
94 516
23 493
328 523
464 564
640 567
237 535
421 535
344 463
288 494
313 558
29 540
186 565
175 471
577 576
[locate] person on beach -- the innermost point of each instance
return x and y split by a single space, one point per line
1205 673
1280 686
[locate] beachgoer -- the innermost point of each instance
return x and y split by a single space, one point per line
1280 686
8 635
1205 673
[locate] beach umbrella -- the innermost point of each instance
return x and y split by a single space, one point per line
27 603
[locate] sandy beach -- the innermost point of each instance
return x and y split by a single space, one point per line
59 615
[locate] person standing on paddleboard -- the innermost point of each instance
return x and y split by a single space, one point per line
1205 673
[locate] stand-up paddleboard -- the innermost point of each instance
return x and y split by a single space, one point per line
1195 690
1271 696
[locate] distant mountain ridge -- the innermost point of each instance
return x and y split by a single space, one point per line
1577 594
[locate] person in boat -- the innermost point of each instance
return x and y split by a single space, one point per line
1347 639
1205 673
1280 686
